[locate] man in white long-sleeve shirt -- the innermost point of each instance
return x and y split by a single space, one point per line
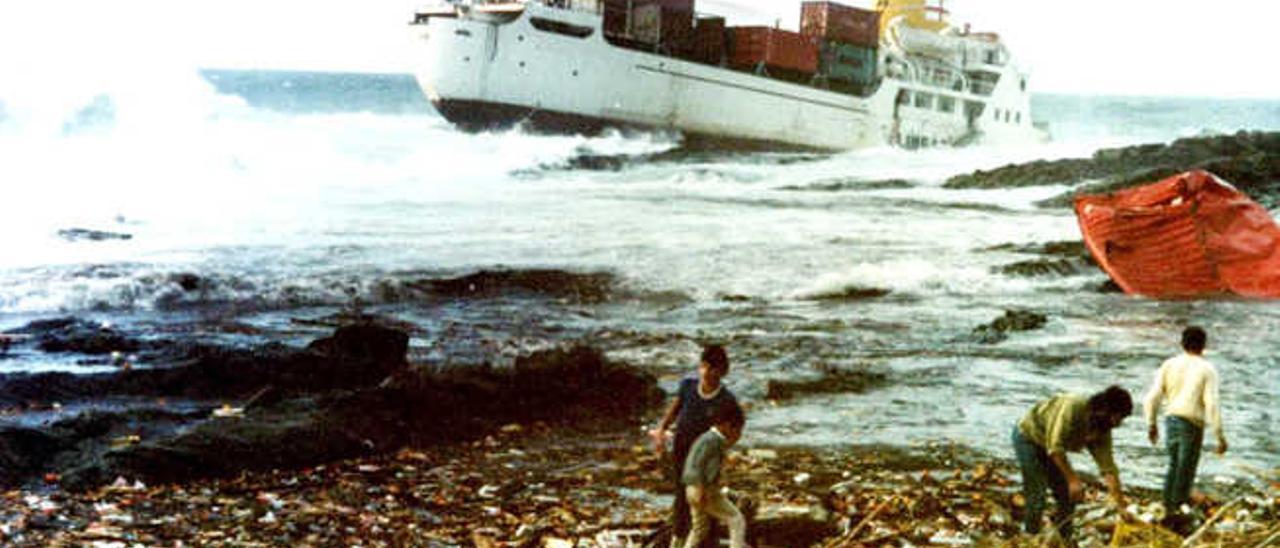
1187 387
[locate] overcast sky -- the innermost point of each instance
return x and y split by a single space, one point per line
1129 47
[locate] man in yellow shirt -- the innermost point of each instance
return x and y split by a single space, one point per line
1186 386
1041 440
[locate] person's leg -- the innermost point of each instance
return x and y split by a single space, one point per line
1034 480
1175 444
1195 443
1184 444
719 507
1061 496
700 522
680 506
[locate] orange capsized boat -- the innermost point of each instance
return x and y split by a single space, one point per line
1190 235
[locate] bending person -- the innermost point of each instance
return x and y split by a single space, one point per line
1052 428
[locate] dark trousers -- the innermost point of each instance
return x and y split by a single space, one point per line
1040 473
1183 439
680 519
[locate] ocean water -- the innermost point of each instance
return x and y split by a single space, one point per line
294 195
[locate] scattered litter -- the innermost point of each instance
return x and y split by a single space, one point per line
228 412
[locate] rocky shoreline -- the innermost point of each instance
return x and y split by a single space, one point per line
1249 160
592 484
274 407
345 443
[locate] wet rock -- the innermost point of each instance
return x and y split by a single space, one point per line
1013 320
835 382
354 357
364 343
852 293
591 287
78 234
188 281
1037 268
844 184
27 453
1249 160
286 428
1067 249
75 335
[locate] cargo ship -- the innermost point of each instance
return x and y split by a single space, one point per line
898 74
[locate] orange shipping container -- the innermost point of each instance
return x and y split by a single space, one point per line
1188 235
774 48
841 23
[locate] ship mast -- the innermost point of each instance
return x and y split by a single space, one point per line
928 15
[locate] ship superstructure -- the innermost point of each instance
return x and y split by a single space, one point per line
898 74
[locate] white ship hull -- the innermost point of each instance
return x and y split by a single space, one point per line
493 68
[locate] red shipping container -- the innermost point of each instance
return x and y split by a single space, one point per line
708 40
841 23
775 48
675 5
615 18
654 24
620 17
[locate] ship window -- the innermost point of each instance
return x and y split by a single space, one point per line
924 100
1018 118
946 104
996 113
904 97
560 27
1006 116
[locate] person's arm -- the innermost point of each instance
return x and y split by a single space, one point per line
1074 489
659 433
1114 488
1151 405
1104 456
1213 409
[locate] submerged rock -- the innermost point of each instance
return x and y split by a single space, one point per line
590 287
835 382
1013 320
77 234
1035 268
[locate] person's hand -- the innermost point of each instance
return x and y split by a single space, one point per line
1222 445
1075 489
698 493
659 438
1118 500
1153 434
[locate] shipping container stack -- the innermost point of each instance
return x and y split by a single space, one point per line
708 40
662 26
848 38
774 52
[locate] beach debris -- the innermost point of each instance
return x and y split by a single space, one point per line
551 485
125 441
226 411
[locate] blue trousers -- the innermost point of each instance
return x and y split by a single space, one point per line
1038 474
1183 439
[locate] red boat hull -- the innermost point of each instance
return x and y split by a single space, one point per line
1190 235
